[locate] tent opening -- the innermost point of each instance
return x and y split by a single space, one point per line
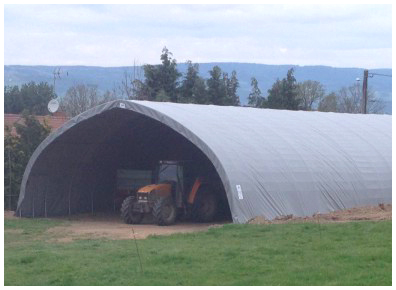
80 171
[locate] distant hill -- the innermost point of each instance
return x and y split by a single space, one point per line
109 77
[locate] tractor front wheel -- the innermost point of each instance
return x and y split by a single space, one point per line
164 211
127 213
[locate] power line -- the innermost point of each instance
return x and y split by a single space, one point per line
377 74
366 75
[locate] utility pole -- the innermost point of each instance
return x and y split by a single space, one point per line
365 79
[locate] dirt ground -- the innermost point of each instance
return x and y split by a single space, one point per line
112 227
9 215
372 213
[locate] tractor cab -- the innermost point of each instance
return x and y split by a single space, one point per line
177 173
169 171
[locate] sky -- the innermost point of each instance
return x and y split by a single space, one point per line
121 35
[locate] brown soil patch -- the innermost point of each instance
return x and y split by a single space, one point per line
370 213
8 214
112 227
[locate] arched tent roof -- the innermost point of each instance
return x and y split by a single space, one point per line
271 162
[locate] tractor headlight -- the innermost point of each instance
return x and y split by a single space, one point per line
143 197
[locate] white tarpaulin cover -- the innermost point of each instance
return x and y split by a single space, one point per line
271 162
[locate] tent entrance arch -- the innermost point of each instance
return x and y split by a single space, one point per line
77 171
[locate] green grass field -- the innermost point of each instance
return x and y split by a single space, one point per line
356 253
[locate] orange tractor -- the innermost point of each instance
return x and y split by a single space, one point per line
178 192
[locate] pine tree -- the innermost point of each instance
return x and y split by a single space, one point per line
284 94
216 87
255 98
161 81
17 151
232 87
200 93
189 83
169 75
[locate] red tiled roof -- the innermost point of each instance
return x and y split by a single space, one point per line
54 121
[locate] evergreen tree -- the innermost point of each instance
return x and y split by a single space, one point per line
161 81
232 85
284 94
200 93
12 100
188 83
161 84
18 149
275 99
14 167
152 84
162 96
255 99
216 87
31 97
169 75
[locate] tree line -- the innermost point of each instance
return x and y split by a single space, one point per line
164 83
310 95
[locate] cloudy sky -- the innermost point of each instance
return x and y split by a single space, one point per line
118 35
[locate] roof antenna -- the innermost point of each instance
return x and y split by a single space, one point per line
53 104
56 74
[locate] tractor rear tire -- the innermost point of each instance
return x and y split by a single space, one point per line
127 213
205 206
164 211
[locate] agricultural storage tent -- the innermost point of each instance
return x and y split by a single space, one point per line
270 162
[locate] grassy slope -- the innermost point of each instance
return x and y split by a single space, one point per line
356 253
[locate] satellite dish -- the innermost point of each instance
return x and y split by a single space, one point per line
53 106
